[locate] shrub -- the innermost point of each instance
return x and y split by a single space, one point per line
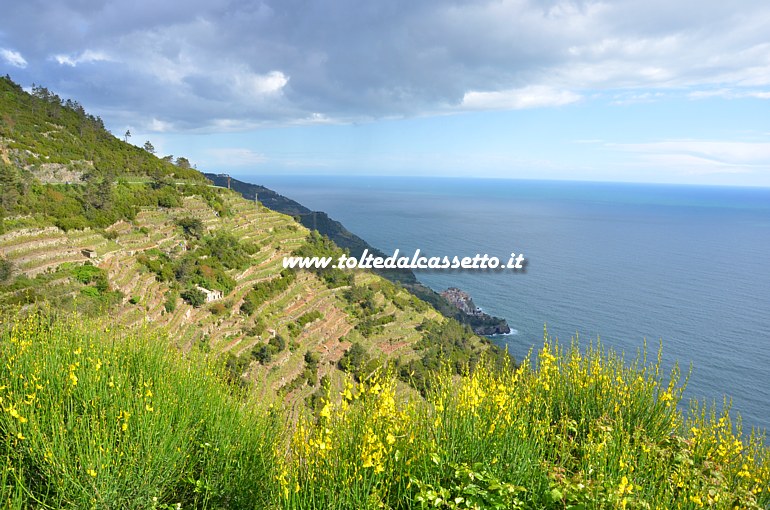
194 297
6 270
170 303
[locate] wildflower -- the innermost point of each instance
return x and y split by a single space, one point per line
92 473
347 393
625 487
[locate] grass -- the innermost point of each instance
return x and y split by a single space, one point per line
92 418
573 430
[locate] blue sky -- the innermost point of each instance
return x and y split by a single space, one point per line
617 90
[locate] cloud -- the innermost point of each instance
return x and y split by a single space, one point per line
729 93
159 126
13 58
202 64
253 85
86 57
517 99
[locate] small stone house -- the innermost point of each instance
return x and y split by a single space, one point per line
211 295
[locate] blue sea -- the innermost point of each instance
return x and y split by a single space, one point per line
627 263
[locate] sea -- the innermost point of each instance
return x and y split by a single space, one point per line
631 265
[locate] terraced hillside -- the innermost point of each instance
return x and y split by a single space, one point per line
285 345
93 224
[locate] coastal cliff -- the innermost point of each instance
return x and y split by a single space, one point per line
482 322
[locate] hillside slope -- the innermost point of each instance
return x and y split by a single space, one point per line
481 323
93 224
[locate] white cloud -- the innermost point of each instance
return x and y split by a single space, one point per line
729 94
517 99
86 57
14 58
251 84
159 126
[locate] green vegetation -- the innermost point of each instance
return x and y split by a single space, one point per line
90 419
6 270
61 165
320 246
193 297
422 413
573 430
448 344
264 353
205 263
357 362
295 328
265 290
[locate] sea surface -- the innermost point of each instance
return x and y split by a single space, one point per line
627 263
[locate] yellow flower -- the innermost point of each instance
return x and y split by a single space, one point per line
92 473
326 412
390 438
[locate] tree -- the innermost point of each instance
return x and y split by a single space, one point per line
192 227
127 135
182 162
194 297
149 147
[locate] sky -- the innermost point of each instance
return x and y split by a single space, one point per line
615 90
